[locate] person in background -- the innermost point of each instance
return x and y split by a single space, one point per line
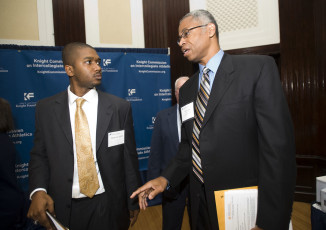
84 165
236 131
11 195
164 146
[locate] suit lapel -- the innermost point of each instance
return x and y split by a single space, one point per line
223 80
61 109
104 115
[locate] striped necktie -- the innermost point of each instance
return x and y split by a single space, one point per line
200 109
88 180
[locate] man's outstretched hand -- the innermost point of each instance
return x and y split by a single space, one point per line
149 190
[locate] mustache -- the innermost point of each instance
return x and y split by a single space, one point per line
98 73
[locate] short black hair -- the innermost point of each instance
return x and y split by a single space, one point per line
69 50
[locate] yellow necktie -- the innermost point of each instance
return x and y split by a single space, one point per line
88 180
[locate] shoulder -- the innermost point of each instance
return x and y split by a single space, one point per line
49 100
250 59
167 111
246 63
120 102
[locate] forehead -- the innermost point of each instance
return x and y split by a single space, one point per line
187 23
85 52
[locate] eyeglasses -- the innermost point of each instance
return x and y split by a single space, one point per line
186 33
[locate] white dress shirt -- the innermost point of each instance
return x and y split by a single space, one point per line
90 109
179 123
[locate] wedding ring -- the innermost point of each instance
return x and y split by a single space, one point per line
35 222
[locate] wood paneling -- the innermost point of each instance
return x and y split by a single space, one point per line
303 58
270 50
69 21
161 22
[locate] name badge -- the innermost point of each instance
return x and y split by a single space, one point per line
116 138
187 112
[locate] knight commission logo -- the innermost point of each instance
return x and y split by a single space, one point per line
107 66
27 101
28 96
106 62
151 124
132 96
131 92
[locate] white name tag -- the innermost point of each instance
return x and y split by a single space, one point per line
187 112
116 138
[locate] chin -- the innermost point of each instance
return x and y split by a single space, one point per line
96 84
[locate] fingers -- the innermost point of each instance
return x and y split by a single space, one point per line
40 203
141 189
142 200
50 206
133 217
149 190
153 193
158 184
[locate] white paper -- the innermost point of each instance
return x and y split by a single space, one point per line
116 138
56 222
187 112
240 209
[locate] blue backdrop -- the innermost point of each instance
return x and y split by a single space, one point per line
28 74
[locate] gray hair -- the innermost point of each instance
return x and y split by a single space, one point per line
182 77
202 16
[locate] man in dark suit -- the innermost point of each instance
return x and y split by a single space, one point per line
164 146
56 174
243 136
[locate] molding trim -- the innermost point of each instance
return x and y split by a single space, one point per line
45 27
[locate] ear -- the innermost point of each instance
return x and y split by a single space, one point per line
211 29
69 70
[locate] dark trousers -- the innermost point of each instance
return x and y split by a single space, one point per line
173 209
203 207
90 213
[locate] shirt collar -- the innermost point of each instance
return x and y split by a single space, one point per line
213 63
89 96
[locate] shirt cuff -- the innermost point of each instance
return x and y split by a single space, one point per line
35 190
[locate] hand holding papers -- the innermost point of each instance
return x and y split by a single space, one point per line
240 208
237 208
55 222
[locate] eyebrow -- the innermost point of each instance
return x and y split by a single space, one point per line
92 58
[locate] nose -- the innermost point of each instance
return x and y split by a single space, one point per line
97 67
180 42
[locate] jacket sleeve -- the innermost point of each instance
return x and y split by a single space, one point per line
155 157
38 164
277 167
178 168
131 160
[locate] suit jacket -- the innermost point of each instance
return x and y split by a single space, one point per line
246 139
164 146
164 143
52 160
